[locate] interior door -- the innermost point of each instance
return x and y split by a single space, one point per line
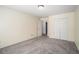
61 28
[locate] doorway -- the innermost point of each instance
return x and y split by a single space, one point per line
61 28
46 28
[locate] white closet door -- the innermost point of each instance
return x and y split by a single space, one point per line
61 28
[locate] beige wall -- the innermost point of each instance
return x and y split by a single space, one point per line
71 26
16 27
77 27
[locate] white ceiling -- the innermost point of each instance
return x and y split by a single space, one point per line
48 10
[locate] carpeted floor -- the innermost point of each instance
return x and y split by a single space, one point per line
41 45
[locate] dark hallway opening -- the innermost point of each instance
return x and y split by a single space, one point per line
46 27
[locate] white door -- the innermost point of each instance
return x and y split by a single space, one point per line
61 28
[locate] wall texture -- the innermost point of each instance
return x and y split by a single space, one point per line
71 25
77 27
16 27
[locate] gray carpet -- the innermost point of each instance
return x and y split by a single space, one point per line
41 45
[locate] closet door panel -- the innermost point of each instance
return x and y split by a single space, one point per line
61 28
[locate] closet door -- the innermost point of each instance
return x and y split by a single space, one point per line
61 28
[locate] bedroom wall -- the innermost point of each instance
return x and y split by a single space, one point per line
16 26
77 27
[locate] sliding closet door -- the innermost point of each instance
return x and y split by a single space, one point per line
61 28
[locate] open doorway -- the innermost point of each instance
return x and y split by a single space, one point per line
45 28
46 25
